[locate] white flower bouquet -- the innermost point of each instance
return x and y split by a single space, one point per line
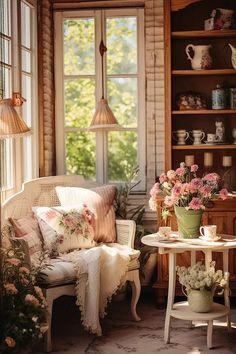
197 277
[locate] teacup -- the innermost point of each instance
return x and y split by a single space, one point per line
211 138
208 231
164 231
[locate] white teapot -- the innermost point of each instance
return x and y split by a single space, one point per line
201 59
233 56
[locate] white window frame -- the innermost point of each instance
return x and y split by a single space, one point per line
101 153
19 154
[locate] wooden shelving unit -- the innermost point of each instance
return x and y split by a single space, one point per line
184 23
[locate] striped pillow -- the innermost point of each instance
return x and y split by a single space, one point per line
100 201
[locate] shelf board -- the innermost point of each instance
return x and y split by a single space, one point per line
203 147
205 111
204 72
204 34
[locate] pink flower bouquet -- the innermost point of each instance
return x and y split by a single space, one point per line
182 187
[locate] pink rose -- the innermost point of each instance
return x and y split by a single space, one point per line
24 281
32 300
223 193
163 178
211 177
169 200
155 190
10 342
171 174
39 292
205 190
196 183
10 288
196 204
180 171
177 189
194 168
24 270
14 261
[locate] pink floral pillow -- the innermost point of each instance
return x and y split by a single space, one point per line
65 228
27 228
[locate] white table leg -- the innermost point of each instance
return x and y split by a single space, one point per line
208 258
171 295
226 290
209 334
193 258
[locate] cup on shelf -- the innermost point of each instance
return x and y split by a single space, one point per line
208 231
197 136
180 136
211 138
164 231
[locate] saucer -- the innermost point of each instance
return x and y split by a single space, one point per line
203 238
210 142
172 238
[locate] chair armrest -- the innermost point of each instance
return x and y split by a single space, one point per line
125 230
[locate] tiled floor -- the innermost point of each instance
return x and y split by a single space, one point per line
122 335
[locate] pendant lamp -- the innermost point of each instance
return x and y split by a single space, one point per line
103 118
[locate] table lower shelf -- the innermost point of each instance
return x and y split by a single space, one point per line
182 311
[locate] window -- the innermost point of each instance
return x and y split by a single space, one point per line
18 69
102 156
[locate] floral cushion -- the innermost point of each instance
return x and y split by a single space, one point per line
27 229
100 201
65 228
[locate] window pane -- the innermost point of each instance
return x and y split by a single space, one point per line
25 25
27 94
6 163
80 154
122 155
79 102
5 26
79 47
122 97
5 81
5 51
121 45
26 60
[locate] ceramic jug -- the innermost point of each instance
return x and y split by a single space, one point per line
201 59
233 56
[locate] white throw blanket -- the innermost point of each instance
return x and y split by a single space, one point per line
100 271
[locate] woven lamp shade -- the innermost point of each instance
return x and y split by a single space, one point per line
11 124
103 118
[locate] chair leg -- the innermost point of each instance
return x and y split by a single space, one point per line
209 334
136 289
48 334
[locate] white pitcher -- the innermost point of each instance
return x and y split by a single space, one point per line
233 56
201 59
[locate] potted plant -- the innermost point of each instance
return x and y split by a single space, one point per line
23 306
199 285
124 210
188 194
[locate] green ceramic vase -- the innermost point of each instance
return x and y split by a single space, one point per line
200 300
188 221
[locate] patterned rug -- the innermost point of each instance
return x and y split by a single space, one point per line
122 335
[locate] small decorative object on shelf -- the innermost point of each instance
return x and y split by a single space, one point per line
219 98
190 100
180 136
220 19
198 136
208 163
188 194
220 132
201 59
232 97
226 175
233 55
189 160
199 285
